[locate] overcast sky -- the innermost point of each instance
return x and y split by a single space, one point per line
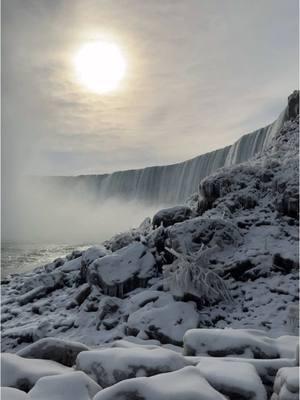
201 73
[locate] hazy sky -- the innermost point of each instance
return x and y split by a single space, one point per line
200 74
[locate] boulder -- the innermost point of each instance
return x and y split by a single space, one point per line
74 385
8 393
109 366
59 350
286 386
186 383
23 373
123 271
164 322
230 342
236 380
170 216
207 231
48 280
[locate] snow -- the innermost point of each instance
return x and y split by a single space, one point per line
187 384
8 393
72 386
286 386
116 270
59 350
109 366
233 379
241 342
22 373
166 323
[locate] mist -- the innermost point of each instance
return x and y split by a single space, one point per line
41 213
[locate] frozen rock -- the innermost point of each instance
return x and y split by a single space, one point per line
71 386
164 322
132 342
123 270
88 256
197 231
51 281
33 294
8 393
72 265
265 368
113 365
108 313
92 253
236 380
286 386
170 216
59 350
228 342
187 384
124 239
22 373
28 333
82 293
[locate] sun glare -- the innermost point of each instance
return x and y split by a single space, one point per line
100 66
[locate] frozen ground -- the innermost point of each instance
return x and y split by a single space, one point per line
141 303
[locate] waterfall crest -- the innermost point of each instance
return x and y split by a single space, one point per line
171 184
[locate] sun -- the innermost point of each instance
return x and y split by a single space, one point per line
100 66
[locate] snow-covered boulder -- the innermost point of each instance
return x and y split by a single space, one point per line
164 322
71 265
208 231
108 312
88 257
72 386
229 342
8 393
28 333
170 216
236 380
92 253
59 350
123 270
265 368
109 366
187 384
51 281
286 386
124 239
22 373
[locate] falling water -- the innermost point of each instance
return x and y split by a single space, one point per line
170 184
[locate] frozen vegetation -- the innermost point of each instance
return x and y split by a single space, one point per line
201 302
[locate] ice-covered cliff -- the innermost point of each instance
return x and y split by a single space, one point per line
172 184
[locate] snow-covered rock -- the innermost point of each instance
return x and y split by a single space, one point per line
170 216
109 366
231 342
71 386
8 393
286 386
59 350
22 373
92 254
192 234
164 322
187 383
123 270
233 379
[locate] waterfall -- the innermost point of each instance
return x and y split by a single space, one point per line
170 184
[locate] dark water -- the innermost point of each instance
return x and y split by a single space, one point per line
22 257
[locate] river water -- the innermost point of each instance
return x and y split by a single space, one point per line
19 257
